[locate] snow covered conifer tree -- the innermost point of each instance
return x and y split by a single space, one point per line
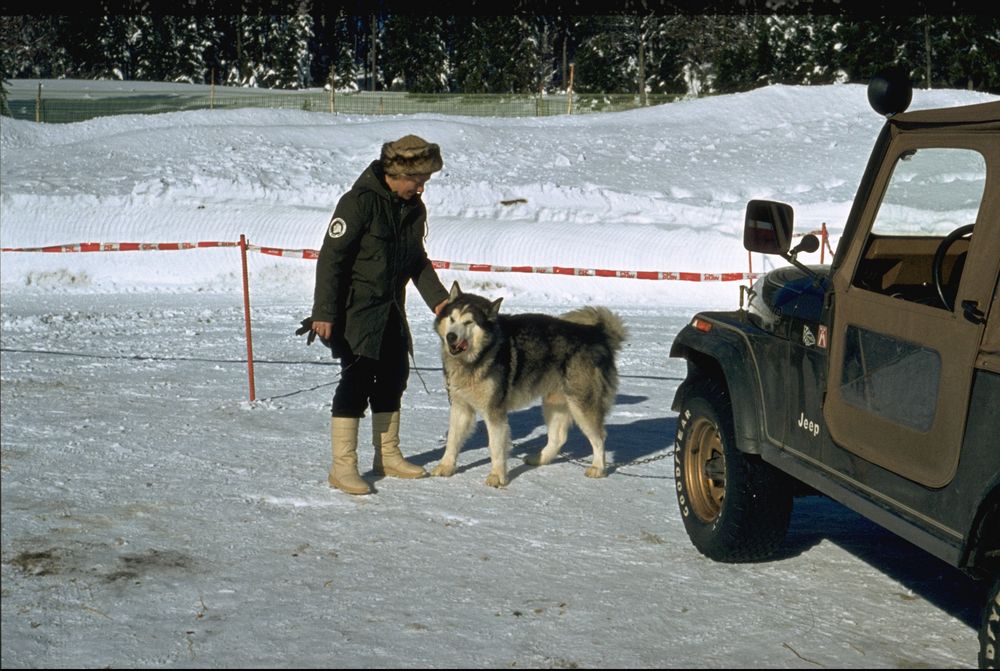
414 57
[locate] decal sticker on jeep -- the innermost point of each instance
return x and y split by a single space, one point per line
808 425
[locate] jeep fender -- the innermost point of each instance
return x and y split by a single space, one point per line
724 357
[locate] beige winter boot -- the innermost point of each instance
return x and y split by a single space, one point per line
344 473
388 458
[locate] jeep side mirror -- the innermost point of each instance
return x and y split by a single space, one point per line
768 227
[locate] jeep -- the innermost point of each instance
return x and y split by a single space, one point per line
873 380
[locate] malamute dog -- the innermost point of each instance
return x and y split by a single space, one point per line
496 363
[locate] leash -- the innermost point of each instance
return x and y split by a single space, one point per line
635 462
417 370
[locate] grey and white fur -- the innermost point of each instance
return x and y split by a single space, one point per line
496 363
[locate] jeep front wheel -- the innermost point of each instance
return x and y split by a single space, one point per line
735 506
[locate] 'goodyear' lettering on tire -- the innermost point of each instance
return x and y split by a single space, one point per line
989 652
682 423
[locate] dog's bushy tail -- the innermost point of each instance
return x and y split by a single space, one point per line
612 324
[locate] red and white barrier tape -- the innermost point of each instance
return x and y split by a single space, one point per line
598 272
549 270
121 247
313 254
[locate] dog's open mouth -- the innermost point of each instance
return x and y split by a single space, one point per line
458 347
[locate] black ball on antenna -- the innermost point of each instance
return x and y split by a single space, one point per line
890 91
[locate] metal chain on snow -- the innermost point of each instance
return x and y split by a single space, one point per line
634 462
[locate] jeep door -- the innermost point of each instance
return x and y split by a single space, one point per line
901 360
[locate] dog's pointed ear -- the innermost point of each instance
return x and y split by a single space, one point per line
456 291
495 307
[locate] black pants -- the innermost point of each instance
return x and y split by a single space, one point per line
380 382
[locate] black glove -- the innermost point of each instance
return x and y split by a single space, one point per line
338 346
307 325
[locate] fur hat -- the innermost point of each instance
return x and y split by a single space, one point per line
410 155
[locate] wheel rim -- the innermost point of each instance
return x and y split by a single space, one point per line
705 470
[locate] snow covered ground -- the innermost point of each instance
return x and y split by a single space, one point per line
153 516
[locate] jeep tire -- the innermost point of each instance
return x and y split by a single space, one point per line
735 506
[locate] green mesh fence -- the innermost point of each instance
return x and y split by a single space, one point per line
67 105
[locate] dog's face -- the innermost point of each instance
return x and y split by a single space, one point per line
466 324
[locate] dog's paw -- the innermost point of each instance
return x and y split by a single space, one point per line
495 480
594 472
533 459
443 471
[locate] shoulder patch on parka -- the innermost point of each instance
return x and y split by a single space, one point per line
337 227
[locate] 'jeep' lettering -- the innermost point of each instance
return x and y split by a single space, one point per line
808 425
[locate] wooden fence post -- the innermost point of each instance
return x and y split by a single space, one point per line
569 91
246 315
333 85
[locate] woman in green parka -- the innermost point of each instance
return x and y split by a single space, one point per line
373 246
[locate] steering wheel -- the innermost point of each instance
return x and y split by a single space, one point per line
939 254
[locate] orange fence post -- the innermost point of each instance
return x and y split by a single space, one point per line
246 314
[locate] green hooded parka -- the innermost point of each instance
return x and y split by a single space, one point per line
373 246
